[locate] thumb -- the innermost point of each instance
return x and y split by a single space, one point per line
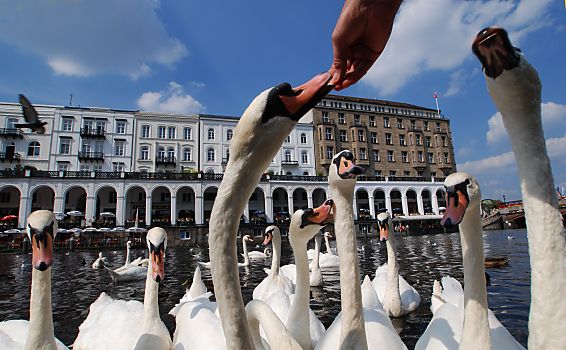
337 70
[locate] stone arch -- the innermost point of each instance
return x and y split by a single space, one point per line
186 204
412 205
161 206
135 203
379 200
280 205
10 205
300 199
396 202
106 202
318 197
256 207
362 203
427 201
43 197
208 196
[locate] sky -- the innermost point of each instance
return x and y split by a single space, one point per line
185 56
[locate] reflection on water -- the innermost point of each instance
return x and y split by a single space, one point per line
422 259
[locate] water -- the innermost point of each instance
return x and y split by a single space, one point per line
421 258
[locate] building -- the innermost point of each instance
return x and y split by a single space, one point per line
390 139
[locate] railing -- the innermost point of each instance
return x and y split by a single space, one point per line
290 162
107 175
93 132
11 132
6 173
10 156
165 160
91 155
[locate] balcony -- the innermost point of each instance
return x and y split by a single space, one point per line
165 160
92 156
93 133
225 161
10 157
290 162
11 133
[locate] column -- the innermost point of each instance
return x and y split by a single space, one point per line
58 205
309 200
388 205
371 206
23 212
120 212
199 206
269 208
434 201
90 208
147 210
247 213
404 203
173 214
420 205
290 202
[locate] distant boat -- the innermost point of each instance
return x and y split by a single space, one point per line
499 261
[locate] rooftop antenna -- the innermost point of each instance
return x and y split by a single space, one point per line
71 100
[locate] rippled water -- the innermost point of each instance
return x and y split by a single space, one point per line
422 259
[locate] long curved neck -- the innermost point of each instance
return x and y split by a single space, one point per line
276 257
128 257
298 321
150 300
521 114
327 243
316 258
392 298
245 249
352 334
40 333
475 331
259 313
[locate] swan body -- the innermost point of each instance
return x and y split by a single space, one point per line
311 252
128 273
315 279
260 132
515 88
100 262
38 333
245 239
395 293
461 319
110 323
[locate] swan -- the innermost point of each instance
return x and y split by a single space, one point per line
311 252
254 254
245 240
38 332
110 323
355 327
395 293
276 279
461 319
316 274
127 273
515 89
260 132
100 262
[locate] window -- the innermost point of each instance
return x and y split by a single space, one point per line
305 157
100 126
392 173
343 136
325 117
404 156
371 120
118 167
406 173
210 134
357 119
376 157
67 124
386 123
361 136
418 140
411 140
65 146
187 133
402 141
187 154
421 156
288 156
303 138
430 157
341 118
328 134
363 154
97 168
10 123
144 153
119 148
145 131
413 124
400 123
33 149
390 156
88 125
210 154
443 141
329 152
229 134
161 131
84 168
425 125
288 139
420 173
120 127
62 166
161 152
172 132
446 159
388 140
377 173
373 137
170 153
427 141
438 127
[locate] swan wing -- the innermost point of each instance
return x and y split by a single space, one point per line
380 281
13 335
198 327
410 298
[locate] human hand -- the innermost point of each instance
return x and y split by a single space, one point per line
360 35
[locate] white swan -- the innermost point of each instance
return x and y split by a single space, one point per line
316 279
127 273
312 252
395 293
464 321
355 327
38 332
245 240
111 324
276 279
258 136
100 262
517 94
254 254
328 259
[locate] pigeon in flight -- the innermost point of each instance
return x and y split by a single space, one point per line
31 117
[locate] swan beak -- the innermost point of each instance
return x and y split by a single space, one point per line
319 216
157 265
383 230
456 208
346 167
495 51
42 251
268 237
306 96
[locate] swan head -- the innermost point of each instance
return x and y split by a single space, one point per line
247 238
306 223
462 192
270 232
383 222
327 234
129 244
42 230
157 244
100 255
495 52
343 170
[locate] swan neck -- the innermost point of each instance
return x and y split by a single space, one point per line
150 300
352 333
475 331
245 249
392 297
40 333
128 256
298 321
259 313
327 243
316 258
276 256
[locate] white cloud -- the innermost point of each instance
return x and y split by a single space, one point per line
433 35
85 38
552 114
174 100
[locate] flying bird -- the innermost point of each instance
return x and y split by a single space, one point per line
31 116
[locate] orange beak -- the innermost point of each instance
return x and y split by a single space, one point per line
42 251
308 94
455 210
157 266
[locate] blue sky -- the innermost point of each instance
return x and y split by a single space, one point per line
214 57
